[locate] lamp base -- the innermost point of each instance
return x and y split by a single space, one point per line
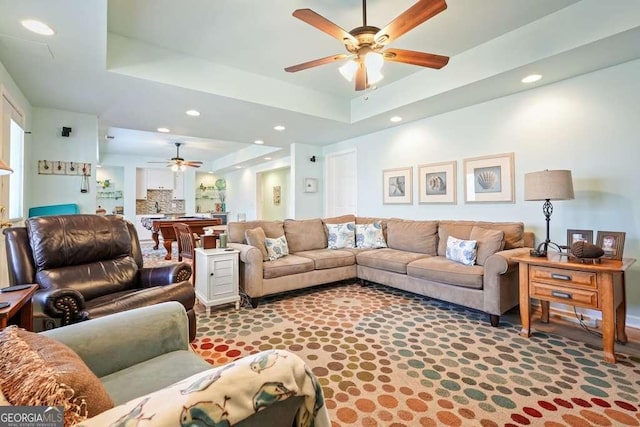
541 250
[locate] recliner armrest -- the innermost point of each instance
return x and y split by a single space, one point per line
165 274
65 304
111 343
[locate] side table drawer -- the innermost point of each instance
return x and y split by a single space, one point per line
559 276
571 296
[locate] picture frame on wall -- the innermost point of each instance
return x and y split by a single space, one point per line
397 186
612 243
574 236
310 185
489 179
437 183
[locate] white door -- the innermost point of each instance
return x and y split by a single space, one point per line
341 184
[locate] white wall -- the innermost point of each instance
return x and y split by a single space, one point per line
306 205
47 144
268 181
588 124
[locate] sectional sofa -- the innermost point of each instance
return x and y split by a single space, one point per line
414 260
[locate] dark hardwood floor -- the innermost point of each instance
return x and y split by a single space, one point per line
574 331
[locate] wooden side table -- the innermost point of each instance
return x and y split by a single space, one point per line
598 287
20 306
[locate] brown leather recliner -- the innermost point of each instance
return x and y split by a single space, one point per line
89 266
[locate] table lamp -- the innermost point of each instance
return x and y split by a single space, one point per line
548 185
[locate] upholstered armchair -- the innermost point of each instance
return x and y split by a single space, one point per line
89 266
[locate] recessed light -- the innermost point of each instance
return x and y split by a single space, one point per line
37 27
279 128
192 113
531 78
210 172
258 141
396 119
268 158
163 130
238 167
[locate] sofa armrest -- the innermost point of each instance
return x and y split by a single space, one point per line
65 304
500 282
165 274
230 394
251 271
111 343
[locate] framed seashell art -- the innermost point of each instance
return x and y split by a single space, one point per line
397 186
489 179
437 183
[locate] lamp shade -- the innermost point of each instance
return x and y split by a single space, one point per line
5 169
548 185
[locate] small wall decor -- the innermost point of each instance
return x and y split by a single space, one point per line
276 195
612 243
59 167
310 185
397 186
574 236
437 183
489 179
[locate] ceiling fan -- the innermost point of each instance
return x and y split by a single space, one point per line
365 43
177 163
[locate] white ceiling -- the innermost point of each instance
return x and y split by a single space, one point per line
140 64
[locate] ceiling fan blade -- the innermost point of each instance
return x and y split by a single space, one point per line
323 24
193 165
158 162
361 77
416 58
192 162
316 62
410 18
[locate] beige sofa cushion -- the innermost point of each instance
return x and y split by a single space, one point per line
440 269
305 235
489 242
388 259
286 266
236 230
329 258
413 236
513 232
339 219
256 237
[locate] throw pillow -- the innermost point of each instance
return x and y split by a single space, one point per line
370 235
256 237
277 248
341 235
489 242
462 251
39 371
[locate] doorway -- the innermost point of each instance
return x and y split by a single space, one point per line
341 184
273 194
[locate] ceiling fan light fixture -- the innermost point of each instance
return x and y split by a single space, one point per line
175 167
348 70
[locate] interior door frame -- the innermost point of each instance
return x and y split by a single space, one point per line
328 157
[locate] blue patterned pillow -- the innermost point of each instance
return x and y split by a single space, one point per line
342 235
277 248
463 251
370 236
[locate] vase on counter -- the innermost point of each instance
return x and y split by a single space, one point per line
223 207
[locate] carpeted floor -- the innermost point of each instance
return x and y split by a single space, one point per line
390 358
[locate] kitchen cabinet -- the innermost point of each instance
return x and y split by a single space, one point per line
159 179
141 184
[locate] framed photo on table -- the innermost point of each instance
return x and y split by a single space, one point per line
574 236
489 179
612 243
397 186
437 183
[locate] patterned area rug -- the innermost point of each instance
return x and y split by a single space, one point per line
389 358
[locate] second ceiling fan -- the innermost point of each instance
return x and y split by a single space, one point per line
365 44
